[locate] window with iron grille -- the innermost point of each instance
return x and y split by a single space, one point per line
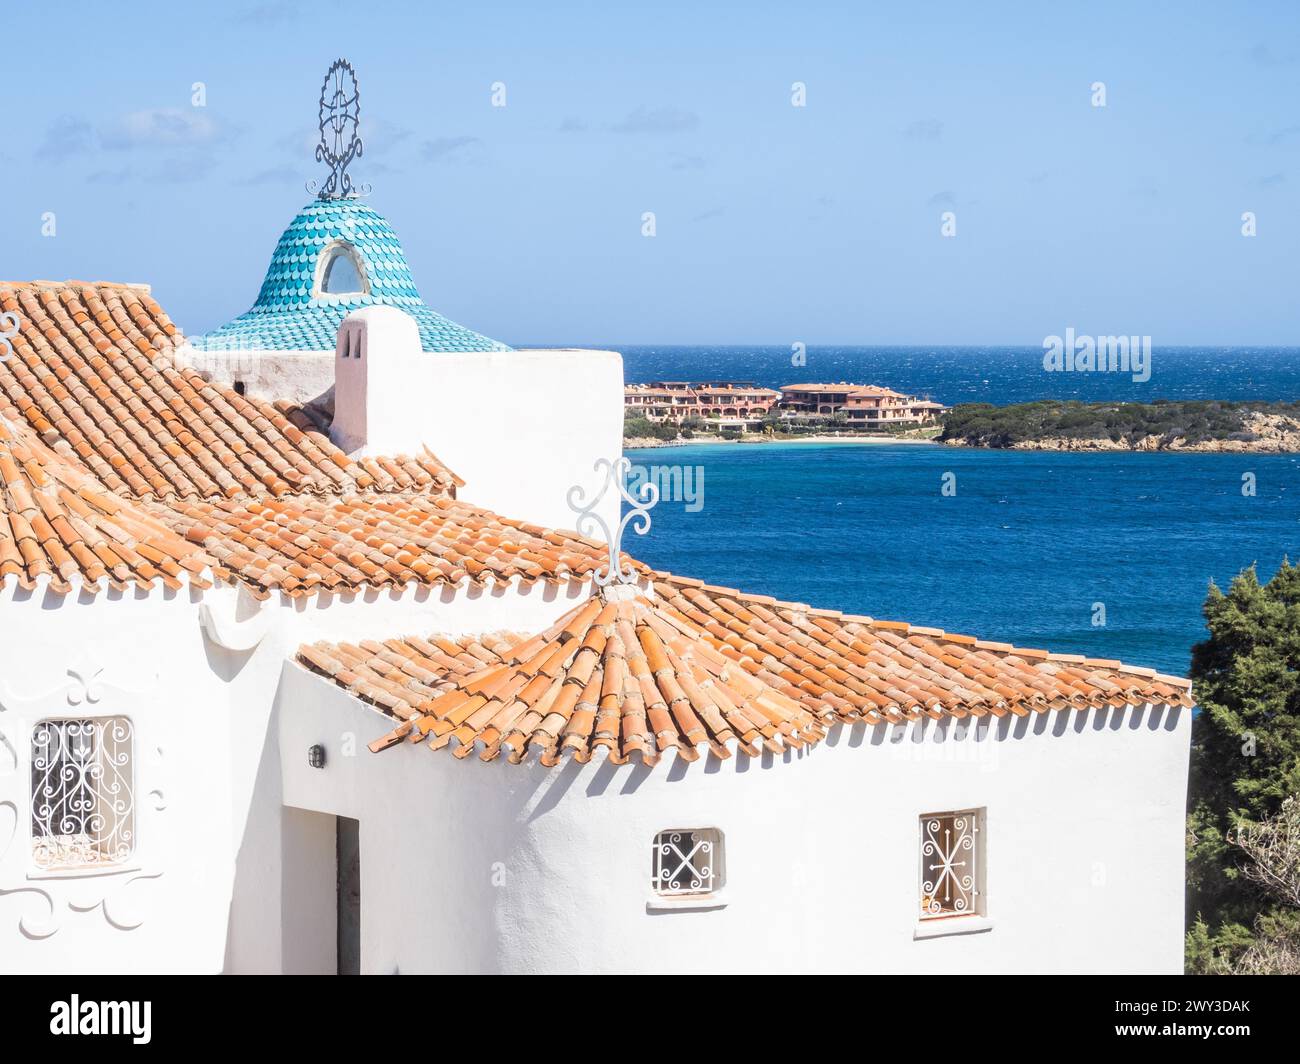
952 863
687 861
83 792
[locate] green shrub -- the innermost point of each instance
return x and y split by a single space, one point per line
642 428
1196 421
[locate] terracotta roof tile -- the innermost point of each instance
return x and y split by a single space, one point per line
626 674
58 522
873 670
302 544
93 367
620 672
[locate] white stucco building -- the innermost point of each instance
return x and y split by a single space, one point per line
302 674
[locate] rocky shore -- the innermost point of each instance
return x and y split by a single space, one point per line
1269 434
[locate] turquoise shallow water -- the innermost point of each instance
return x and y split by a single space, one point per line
1021 553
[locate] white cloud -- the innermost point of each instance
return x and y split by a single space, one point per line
165 127
450 149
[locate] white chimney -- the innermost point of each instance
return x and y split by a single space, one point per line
377 392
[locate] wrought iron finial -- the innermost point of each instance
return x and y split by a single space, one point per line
614 572
340 136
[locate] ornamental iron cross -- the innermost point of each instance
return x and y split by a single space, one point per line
340 125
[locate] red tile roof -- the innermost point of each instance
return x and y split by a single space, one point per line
620 672
483 693
93 367
863 669
303 544
57 522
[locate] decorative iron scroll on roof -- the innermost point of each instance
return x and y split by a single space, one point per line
340 137
614 572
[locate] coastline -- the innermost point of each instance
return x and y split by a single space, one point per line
1256 432
1262 432
1147 445
640 443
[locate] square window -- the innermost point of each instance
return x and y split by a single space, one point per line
687 861
952 864
83 785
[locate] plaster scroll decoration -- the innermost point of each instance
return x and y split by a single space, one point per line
8 754
125 906
85 682
35 921
82 688
157 795
73 836
8 827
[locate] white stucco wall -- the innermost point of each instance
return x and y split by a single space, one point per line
145 658
208 888
474 867
520 427
499 868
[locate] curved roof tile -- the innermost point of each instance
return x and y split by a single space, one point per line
59 523
303 544
620 672
93 367
484 692
864 669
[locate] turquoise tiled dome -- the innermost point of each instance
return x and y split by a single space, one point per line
288 317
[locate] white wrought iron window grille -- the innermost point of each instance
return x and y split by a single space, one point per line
687 861
83 792
952 863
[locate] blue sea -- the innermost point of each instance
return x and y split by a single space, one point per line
1032 548
983 374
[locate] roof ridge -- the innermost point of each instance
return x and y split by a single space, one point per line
907 630
625 673
138 286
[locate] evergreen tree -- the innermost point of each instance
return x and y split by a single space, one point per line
1245 750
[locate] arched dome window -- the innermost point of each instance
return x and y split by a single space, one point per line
340 272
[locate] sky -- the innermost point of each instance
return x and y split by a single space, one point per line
773 223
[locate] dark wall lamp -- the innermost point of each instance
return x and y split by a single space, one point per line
316 756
